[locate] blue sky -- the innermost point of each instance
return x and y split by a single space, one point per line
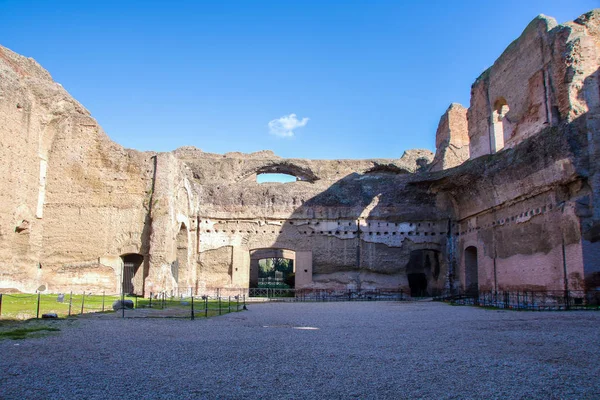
365 79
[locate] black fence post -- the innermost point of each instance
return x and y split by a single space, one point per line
103 301
82 302
150 305
37 314
237 307
192 303
206 306
229 305
0 304
70 302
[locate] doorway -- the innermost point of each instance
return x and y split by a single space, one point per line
471 271
418 284
131 266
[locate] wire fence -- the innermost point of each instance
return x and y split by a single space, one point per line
191 303
534 300
26 306
283 294
179 303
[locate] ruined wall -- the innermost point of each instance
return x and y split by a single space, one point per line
526 216
174 240
357 221
520 209
511 200
72 200
516 97
451 139
540 80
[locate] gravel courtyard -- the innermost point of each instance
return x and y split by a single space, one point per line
358 350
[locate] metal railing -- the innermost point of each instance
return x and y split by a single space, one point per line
535 300
285 294
157 305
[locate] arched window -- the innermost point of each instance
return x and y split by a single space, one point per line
281 172
498 124
275 177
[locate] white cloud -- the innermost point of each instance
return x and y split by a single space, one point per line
284 126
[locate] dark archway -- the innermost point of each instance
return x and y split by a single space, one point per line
422 272
418 284
471 270
132 282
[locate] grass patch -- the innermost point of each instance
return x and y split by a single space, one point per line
17 330
24 306
23 333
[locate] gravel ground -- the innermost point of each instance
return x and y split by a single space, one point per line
379 350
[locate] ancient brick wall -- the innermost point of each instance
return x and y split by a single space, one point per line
511 200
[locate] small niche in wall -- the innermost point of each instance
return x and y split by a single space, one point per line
499 124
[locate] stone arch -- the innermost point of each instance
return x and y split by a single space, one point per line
498 126
471 270
285 167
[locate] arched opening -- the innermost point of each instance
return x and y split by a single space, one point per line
275 178
274 268
180 266
418 284
132 281
498 124
471 271
423 272
278 171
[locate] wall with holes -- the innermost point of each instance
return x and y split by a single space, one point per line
339 249
534 244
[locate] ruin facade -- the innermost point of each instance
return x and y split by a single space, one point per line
509 201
